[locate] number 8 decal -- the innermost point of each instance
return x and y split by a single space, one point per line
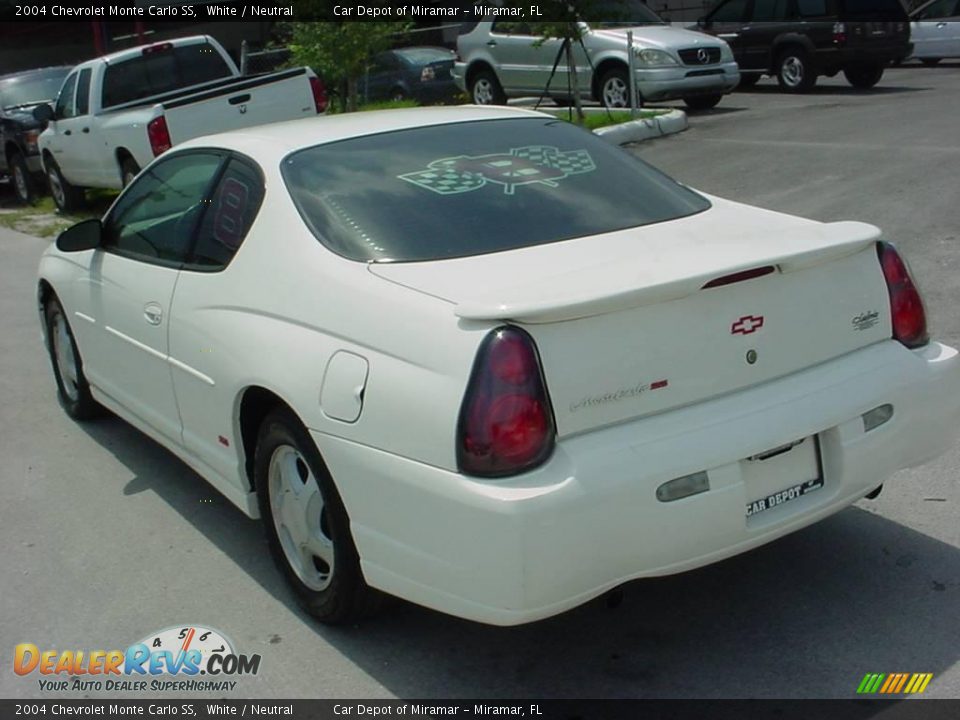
231 205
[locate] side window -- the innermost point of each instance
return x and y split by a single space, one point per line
509 27
812 8
769 10
154 219
732 11
65 107
942 8
232 209
385 62
83 92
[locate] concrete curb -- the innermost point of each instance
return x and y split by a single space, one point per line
639 130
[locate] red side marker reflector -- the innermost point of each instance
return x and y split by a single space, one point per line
223 441
658 384
740 276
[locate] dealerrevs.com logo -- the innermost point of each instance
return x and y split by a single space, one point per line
181 658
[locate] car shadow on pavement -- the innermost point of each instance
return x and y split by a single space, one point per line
771 88
806 616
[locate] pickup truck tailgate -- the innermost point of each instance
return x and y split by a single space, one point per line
248 102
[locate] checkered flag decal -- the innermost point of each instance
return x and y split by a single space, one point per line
444 179
448 177
572 162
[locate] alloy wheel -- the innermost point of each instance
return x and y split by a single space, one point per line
300 517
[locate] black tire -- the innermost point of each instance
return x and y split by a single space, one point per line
22 179
67 197
748 81
795 71
864 77
703 102
331 589
73 391
930 62
614 89
485 89
128 170
562 101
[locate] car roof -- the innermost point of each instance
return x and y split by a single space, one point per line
269 143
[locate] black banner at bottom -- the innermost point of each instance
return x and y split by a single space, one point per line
858 709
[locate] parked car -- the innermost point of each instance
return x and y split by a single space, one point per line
798 40
19 94
504 58
499 371
935 30
114 114
421 73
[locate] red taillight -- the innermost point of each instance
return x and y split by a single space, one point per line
907 315
839 33
506 422
159 135
319 91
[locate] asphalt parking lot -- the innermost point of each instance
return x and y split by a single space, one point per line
107 537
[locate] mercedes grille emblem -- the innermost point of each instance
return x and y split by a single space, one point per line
703 56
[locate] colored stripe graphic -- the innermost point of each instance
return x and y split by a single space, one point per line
891 682
894 683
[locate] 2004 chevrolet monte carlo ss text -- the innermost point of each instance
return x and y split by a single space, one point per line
481 359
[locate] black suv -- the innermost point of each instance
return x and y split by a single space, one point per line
19 94
798 40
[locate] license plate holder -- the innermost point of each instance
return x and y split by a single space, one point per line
768 475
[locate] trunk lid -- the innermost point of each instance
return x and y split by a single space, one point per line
626 328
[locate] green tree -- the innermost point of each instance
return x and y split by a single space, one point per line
341 51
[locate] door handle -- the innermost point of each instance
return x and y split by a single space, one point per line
68 132
153 313
492 43
239 99
86 130
941 25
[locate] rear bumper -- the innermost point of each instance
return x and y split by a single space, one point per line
515 551
686 81
831 59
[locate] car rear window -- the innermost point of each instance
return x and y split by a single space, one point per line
161 70
465 189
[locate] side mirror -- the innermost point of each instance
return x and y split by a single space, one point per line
43 113
85 235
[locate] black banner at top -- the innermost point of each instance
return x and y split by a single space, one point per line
439 11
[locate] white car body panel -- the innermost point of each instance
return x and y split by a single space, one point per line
935 38
935 30
517 549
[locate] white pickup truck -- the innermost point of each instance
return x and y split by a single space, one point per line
115 113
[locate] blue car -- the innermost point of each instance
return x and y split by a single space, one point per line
423 74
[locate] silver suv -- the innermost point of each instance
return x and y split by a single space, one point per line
503 59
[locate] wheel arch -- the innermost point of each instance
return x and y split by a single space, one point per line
253 406
477 66
121 155
786 41
45 293
602 68
46 157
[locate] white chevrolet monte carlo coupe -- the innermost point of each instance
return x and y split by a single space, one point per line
480 359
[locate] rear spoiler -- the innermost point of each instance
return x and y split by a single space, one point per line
609 287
